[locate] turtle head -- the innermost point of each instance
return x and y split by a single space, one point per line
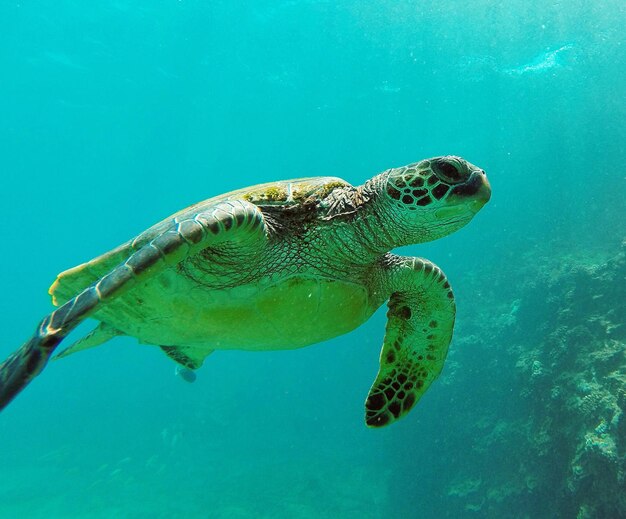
434 197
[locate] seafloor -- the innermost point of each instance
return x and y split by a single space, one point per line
559 432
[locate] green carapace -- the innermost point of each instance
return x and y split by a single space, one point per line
278 266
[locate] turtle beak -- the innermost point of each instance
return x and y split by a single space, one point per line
475 192
484 191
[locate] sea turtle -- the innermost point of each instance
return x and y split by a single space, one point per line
278 266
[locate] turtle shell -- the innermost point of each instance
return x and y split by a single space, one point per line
285 194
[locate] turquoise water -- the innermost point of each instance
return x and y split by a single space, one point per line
117 114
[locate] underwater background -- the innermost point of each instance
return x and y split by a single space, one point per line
115 114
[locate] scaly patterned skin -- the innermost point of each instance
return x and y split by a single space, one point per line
317 228
420 321
185 237
423 202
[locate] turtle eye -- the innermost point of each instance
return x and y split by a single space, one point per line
449 171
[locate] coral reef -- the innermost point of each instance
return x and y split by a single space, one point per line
559 437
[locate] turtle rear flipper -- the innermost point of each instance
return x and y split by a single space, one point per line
99 335
235 221
188 357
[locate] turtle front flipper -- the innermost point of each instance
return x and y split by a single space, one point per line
237 220
419 329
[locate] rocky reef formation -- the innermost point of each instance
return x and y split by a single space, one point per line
550 440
